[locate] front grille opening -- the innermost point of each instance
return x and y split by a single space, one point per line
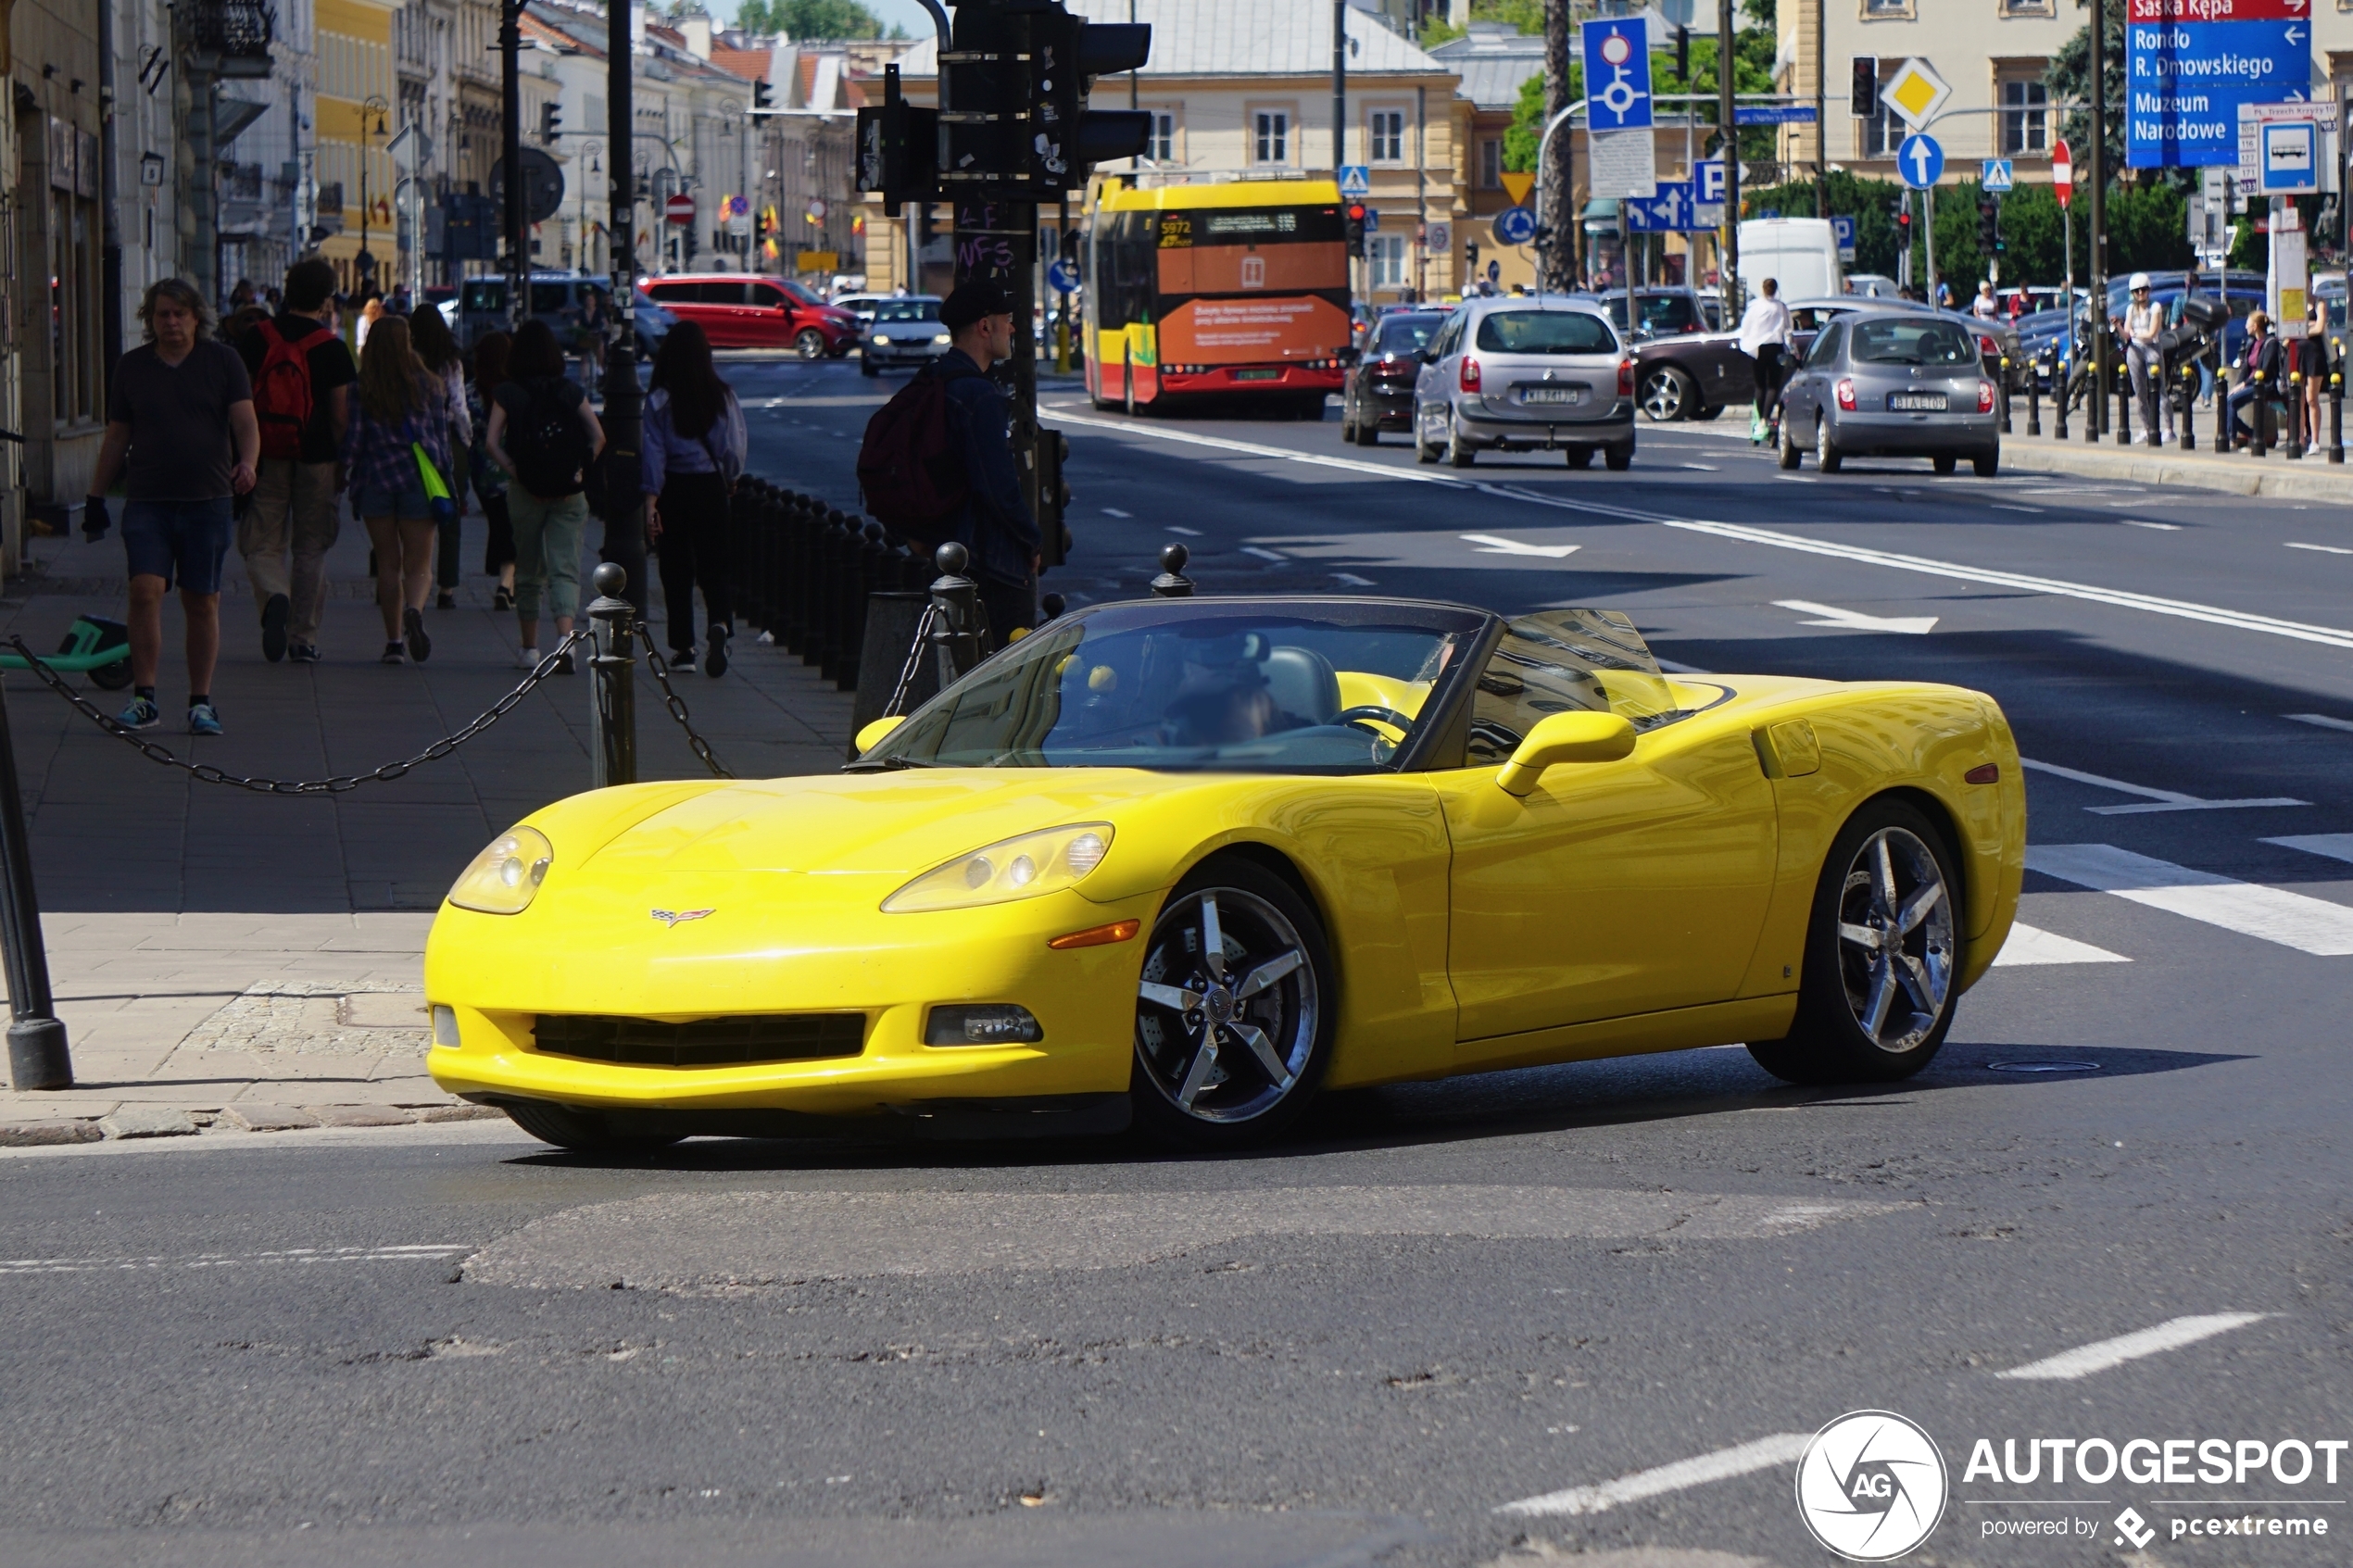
706 1042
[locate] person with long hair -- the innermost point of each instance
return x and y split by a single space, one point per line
693 449
436 348
489 479
402 406
543 433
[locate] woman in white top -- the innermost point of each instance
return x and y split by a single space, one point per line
1765 330
2143 320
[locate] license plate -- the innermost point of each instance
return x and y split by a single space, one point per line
1258 375
1916 402
1552 394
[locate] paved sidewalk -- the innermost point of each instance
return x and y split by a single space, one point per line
2309 478
228 961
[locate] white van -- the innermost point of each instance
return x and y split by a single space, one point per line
1801 253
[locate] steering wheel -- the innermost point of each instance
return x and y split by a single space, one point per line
1363 712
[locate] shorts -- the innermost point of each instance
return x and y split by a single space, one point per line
410 504
181 542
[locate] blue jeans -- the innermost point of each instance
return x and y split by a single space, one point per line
409 503
181 542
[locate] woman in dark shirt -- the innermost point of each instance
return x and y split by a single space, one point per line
694 447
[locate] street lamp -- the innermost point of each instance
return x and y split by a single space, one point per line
590 151
363 266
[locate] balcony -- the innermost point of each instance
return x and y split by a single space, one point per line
231 37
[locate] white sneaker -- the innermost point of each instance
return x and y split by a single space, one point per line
527 659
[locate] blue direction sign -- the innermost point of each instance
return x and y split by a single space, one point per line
1920 160
1064 275
1670 211
2186 74
1515 226
1998 176
1355 179
1773 114
1844 229
1617 74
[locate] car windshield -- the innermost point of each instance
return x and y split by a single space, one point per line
1661 315
1209 687
1545 332
1408 334
908 310
1911 343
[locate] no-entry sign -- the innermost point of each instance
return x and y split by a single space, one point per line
680 208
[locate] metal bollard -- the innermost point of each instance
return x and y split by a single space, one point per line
841 591
2337 400
2224 428
2188 410
2058 395
2261 444
2033 398
2293 448
1172 582
873 556
37 1055
957 638
612 699
799 571
2123 404
2002 394
1051 606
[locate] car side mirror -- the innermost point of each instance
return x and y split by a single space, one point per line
1565 738
874 734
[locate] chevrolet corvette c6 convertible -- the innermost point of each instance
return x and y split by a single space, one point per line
1186 862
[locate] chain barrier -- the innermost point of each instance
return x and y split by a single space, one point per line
922 640
677 704
204 772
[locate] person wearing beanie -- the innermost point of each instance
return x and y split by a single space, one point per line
996 524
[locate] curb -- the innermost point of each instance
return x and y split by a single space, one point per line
167 1122
2282 479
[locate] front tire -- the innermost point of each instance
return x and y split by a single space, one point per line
1235 1009
810 344
585 1132
1882 950
1669 395
867 367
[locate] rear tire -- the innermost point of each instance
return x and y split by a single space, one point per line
1423 451
1861 906
1827 456
1580 457
582 1131
1987 464
1944 463
1791 455
1458 455
1618 458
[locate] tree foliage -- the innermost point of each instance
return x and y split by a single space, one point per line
1752 72
812 19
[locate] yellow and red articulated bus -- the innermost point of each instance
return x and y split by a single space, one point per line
1230 289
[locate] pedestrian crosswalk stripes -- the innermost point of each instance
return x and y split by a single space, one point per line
2335 846
2271 914
2032 945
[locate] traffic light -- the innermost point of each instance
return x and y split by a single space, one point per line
764 97
551 122
1864 88
1355 217
1903 223
1066 53
899 147
1988 224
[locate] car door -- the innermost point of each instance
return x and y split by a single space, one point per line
1614 888
1433 389
771 317
1802 399
683 297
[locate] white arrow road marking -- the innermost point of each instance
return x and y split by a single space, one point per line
2322 719
2335 846
1351 580
2086 1360
2324 549
2159 800
1489 544
2032 945
2161 527
1264 555
1782 1447
2269 914
1854 621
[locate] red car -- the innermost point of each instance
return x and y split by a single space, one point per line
750 310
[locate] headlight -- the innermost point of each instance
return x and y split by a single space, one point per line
504 877
1018 868
941 337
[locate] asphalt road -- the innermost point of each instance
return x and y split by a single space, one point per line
445 1345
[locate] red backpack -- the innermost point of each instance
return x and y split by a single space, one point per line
909 470
282 397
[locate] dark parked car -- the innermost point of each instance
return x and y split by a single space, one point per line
1379 392
1906 383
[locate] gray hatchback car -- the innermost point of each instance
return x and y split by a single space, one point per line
1892 384
1524 374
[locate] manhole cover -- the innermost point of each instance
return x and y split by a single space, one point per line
2042 1067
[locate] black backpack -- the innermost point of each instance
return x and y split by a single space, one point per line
547 440
909 472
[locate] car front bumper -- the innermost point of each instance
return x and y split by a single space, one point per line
903 354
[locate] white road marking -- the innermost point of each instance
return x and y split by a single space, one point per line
2159 800
1264 555
224 1260
2333 636
1259 449
1782 1447
2007 507
1187 532
2270 914
2033 944
2322 719
1350 578
1855 620
1490 545
2335 846
2163 527
2324 549
2086 1360
1674 668
1704 467
1114 511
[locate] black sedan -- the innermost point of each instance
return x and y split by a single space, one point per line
1378 392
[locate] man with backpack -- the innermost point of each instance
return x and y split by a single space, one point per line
302 377
937 463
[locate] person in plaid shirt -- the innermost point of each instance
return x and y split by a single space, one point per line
401 406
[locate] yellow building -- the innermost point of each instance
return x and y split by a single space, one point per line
355 116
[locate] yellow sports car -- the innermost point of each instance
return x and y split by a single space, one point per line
1187 862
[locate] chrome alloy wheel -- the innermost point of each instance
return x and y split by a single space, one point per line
1229 1006
1895 948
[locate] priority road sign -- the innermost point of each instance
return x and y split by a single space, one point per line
1920 160
1997 176
2187 75
1617 74
1515 226
1355 180
1915 92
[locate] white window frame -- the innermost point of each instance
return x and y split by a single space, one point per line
1165 144
2025 130
1272 143
1385 123
1490 163
1391 261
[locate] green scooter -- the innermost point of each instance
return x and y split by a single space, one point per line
94 644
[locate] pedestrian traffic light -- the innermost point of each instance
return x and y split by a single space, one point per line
1355 217
899 147
551 122
1864 88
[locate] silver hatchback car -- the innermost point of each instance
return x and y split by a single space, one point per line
1523 374
1891 383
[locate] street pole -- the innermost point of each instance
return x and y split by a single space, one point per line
624 509
511 152
1555 260
1928 236
1340 112
2096 229
1822 115
1728 121
37 1054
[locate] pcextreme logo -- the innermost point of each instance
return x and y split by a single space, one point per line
1871 1486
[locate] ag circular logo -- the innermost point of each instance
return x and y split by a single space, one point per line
1871 1486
